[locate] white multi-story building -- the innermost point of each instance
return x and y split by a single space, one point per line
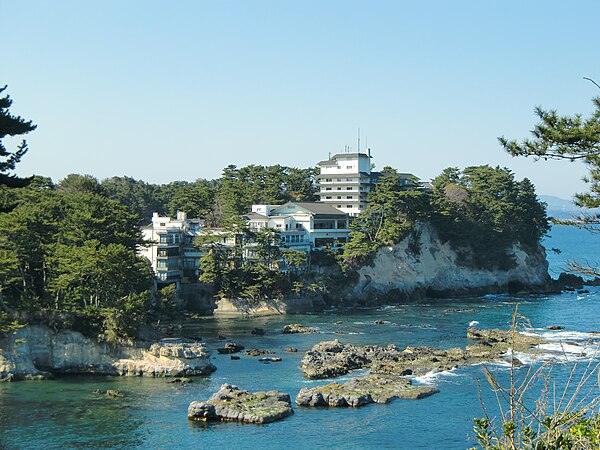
302 225
346 180
170 247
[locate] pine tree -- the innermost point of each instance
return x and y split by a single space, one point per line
12 126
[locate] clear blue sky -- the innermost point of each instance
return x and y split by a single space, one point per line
178 90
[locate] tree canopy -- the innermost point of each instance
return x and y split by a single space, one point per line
11 125
481 211
573 138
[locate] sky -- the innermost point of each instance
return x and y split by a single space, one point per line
165 91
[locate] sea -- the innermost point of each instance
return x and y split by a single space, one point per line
65 413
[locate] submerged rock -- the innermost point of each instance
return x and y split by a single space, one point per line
268 359
362 391
180 380
231 403
297 328
110 393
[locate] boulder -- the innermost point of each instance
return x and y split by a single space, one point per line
258 352
230 347
297 328
231 403
362 391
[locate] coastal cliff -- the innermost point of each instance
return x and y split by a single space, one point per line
37 351
428 266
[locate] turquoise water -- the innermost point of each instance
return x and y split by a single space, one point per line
65 413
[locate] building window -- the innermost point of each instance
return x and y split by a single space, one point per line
328 179
162 224
328 197
339 179
348 188
327 189
348 167
348 206
165 239
339 206
339 189
339 196
349 197
348 179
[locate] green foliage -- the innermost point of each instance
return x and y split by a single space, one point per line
8 324
295 260
72 253
482 211
565 137
196 199
253 284
141 198
393 208
12 126
240 188
79 184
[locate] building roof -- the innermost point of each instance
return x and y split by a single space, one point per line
332 159
355 154
255 216
315 208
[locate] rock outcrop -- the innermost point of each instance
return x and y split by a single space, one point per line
435 270
297 328
38 352
362 391
168 359
293 304
231 403
332 358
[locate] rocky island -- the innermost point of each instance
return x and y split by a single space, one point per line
329 359
362 391
231 403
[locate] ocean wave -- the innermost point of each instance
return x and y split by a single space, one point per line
562 335
435 375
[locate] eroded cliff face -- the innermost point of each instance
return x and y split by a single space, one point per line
38 352
435 270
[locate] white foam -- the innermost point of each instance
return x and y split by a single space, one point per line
433 376
562 347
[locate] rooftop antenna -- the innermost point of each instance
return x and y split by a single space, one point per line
358 148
